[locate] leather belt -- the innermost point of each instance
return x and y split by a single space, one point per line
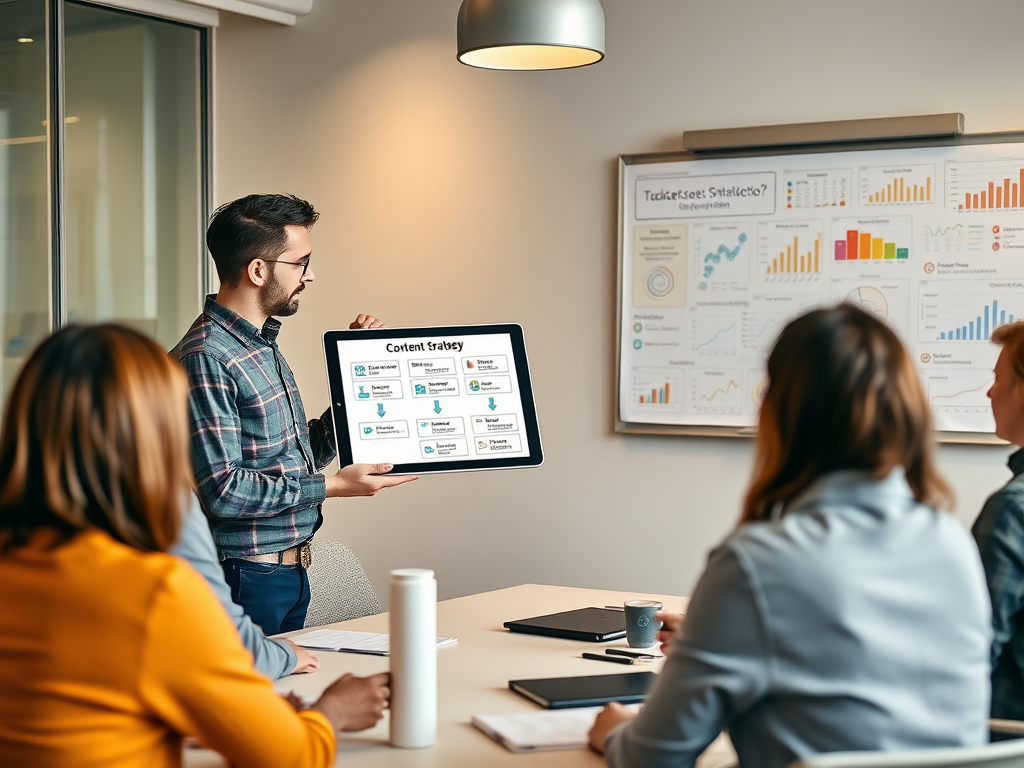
300 555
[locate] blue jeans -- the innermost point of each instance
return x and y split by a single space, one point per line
274 596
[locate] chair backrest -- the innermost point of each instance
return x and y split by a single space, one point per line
1004 754
339 589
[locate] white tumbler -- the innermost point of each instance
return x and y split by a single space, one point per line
413 629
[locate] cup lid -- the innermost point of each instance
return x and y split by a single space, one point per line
412 574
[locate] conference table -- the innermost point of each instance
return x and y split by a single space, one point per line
473 679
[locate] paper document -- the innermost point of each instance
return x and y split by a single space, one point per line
540 731
373 643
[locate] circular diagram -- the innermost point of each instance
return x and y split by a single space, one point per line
871 300
660 282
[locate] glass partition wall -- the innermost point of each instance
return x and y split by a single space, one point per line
103 220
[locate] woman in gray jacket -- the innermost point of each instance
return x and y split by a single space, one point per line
845 612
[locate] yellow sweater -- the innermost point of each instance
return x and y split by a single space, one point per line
108 655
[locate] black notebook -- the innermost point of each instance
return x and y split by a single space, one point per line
592 691
595 625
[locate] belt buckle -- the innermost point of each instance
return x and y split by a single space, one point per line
305 556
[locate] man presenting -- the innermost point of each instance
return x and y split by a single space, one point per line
256 459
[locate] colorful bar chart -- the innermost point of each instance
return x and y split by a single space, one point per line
870 239
658 389
986 185
981 328
900 185
661 396
863 245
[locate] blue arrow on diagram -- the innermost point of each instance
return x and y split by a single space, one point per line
380 410
437 406
490 403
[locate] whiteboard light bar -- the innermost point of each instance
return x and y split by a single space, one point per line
834 132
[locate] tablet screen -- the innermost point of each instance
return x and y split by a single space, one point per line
438 399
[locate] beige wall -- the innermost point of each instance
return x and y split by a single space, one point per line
453 195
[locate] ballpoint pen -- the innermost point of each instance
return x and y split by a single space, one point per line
613 659
630 654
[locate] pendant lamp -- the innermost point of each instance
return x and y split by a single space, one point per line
531 34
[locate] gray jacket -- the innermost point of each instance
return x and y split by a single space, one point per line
858 621
273 658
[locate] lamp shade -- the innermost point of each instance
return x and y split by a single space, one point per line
530 34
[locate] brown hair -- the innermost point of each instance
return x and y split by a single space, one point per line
95 436
1011 338
842 394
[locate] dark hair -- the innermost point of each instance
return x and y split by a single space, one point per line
96 436
842 394
252 227
1011 338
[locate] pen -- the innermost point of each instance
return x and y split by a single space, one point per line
613 659
615 608
631 654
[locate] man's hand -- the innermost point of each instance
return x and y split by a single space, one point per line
304 660
607 718
365 321
363 480
671 623
355 703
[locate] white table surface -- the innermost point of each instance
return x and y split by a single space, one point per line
473 679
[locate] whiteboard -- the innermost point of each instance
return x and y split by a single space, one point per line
717 254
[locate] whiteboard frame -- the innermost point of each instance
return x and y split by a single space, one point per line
643 428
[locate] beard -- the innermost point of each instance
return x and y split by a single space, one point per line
275 301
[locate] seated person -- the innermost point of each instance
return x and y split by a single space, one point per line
110 649
845 612
999 531
273 658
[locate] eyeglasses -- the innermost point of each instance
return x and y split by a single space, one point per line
303 264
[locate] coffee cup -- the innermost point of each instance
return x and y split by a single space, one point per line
641 626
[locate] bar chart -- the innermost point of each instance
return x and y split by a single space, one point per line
872 239
790 248
657 388
985 185
967 310
897 185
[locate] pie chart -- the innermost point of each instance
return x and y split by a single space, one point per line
871 300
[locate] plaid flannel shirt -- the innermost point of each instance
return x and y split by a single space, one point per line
999 531
256 459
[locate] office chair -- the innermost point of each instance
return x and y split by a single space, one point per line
338 586
1003 754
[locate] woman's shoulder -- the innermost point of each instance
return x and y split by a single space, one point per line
116 568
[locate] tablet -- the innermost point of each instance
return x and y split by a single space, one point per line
439 399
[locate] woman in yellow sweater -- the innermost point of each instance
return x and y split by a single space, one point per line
111 650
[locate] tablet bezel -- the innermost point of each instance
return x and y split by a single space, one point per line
339 411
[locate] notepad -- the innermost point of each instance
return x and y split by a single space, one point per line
373 643
587 691
539 731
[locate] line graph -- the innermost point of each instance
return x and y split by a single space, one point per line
717 390
714 335
939 239
760 330
960 390
959 398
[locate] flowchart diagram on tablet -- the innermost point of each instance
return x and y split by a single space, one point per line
430 399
